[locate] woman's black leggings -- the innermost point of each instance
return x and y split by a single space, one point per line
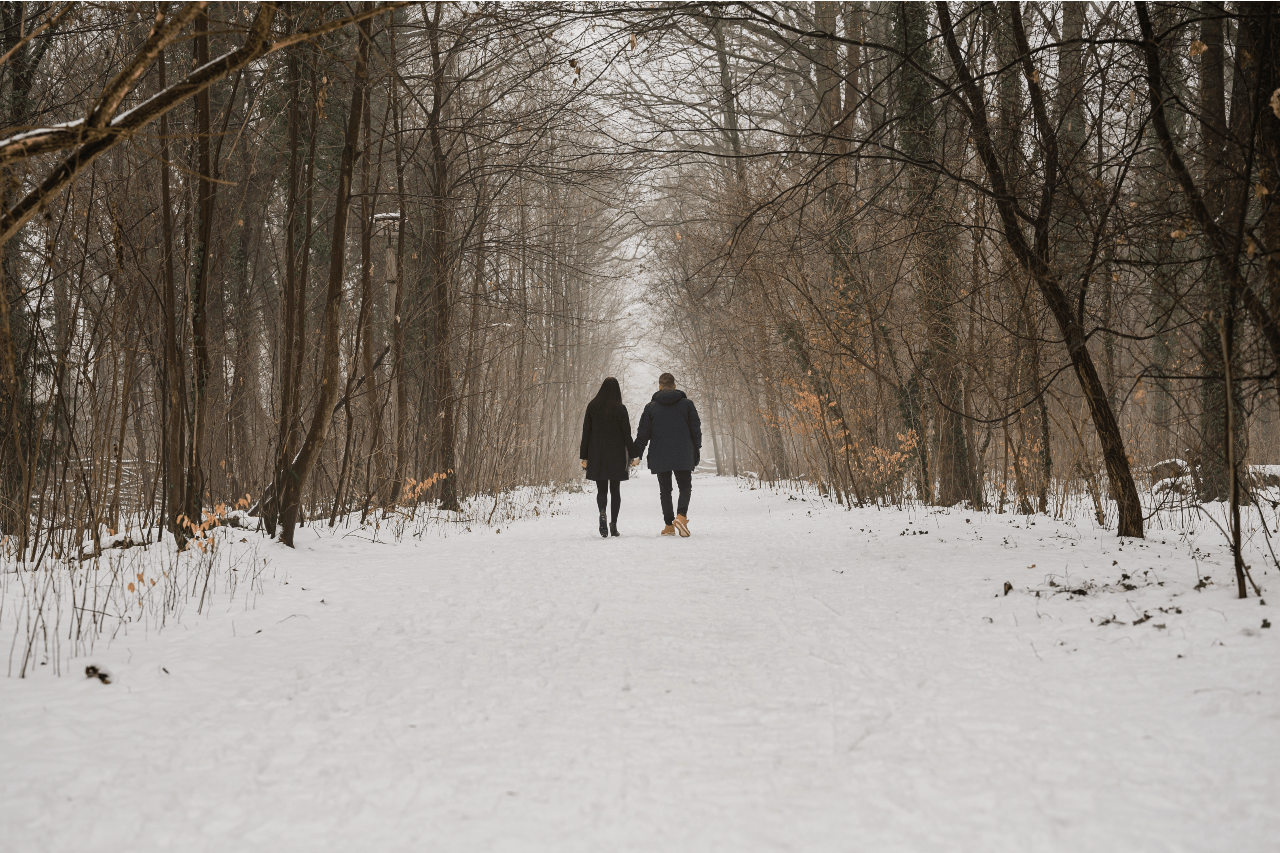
604 488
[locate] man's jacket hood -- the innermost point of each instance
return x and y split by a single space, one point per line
668 397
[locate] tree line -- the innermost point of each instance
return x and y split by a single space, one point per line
300 259
976 252
327 259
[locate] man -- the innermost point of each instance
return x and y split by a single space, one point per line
671 429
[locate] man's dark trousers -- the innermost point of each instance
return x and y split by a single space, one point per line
684 479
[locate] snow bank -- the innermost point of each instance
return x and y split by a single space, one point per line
792 677
125 584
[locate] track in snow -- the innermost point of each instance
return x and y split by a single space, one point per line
792 677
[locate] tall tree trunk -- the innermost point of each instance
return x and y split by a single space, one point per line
175 410
444 404
1071 230
206 189
288 299
396 484
360 367
293 316
16 477
322 417
1025 381
920 143
373 411
1267 38
1215 477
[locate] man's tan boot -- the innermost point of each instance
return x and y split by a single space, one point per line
682 525
668 531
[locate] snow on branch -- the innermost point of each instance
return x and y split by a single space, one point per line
102 129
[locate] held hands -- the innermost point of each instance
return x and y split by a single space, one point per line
582 462
635 462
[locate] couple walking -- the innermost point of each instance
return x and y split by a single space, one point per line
670 429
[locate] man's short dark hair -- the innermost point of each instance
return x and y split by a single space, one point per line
666 380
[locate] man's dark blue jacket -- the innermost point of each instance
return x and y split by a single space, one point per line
671 428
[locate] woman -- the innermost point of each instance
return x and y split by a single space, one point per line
607 449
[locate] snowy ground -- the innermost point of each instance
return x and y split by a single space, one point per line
793 677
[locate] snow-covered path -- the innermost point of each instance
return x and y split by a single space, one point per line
792 677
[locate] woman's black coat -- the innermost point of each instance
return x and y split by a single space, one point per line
606 443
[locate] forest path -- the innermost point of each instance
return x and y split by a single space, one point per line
792 677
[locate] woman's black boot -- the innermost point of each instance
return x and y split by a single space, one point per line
613 529
604 526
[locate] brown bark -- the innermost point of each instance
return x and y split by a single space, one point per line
293 297
444 404
391 494
206 198
937 279
360 367
175 413
1035 262
373 411
322 417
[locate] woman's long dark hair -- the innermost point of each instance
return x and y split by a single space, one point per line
608 400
